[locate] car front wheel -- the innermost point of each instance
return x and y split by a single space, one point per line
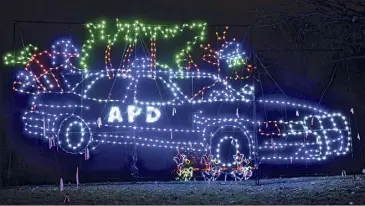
74 135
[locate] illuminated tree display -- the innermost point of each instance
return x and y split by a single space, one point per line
67 108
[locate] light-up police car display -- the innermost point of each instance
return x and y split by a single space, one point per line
155 108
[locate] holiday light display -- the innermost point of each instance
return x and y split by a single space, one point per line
213 169
241 170
184 169
234 58
270 123
152 114
233 54
63 106
234 142
132 32
207 172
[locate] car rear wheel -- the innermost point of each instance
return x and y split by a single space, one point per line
228 140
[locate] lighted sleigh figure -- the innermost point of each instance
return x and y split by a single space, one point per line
147 105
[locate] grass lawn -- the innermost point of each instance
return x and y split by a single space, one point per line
305 190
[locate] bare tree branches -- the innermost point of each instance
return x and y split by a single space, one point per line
328 24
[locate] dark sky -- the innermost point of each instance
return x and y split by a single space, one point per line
212 12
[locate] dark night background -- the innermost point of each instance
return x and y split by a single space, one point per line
278 27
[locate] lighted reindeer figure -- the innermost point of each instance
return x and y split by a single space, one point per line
206 160
242 170
247 170
212 169
183 170
217 169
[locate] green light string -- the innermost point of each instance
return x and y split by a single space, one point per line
22 57
132 31
125 32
